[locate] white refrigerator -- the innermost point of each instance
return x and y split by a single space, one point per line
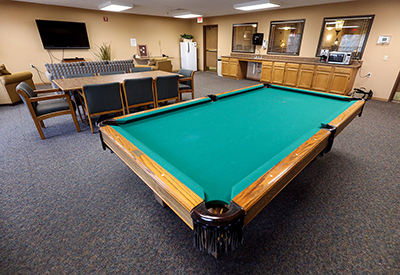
189 55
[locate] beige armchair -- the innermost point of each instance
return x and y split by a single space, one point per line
8 83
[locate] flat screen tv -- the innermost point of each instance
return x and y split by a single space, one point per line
63 35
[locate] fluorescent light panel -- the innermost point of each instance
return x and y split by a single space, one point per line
257 5
115 6
186 14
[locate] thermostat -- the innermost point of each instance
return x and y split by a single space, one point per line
384 39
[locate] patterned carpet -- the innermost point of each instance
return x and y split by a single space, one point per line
68 207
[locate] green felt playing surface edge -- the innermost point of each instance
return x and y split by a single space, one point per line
218 148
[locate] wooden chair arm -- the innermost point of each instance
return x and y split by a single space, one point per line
48 97
185 79
47 91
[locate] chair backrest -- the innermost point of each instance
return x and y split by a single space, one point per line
78 75
167 86
26 92
103 97
108 73
140 69
187 73
139 90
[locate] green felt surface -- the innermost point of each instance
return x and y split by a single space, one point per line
218 148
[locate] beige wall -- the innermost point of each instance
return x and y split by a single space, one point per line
20 43
386 22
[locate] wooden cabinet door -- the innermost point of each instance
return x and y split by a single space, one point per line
225 67
339 83
321 78
291 74
291 77
340 80
321 81
278 73
234 68
305 76
266 72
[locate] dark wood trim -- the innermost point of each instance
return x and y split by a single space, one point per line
396 87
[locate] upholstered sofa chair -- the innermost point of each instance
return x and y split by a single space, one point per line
8 83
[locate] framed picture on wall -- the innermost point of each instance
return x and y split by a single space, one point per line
142 50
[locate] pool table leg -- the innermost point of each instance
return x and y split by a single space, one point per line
160 200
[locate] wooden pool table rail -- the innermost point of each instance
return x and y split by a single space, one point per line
256 196
253 199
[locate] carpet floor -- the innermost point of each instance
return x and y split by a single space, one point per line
68 207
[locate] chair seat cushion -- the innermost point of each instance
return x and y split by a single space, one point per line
51 106
184 86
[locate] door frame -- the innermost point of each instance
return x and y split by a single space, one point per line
396 87
205 45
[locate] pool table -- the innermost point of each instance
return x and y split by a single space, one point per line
217 161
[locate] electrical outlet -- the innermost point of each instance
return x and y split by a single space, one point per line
368 75
32 66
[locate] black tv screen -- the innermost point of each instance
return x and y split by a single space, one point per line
62 34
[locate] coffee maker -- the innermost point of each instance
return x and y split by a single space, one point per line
324 56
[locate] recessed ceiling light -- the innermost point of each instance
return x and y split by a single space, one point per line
186 14
115 6
257 5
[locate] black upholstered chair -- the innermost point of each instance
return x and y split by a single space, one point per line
102 99
46 106
75 96
186 83
140 69
138 92
166 88
110 73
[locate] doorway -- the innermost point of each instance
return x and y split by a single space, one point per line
211 47
395 95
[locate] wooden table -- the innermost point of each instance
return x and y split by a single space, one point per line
71 84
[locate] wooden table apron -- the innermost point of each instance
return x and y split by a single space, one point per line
77 83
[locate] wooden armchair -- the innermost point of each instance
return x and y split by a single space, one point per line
166 89
48 107
186 83
138 92
102 99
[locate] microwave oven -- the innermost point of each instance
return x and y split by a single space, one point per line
339 58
